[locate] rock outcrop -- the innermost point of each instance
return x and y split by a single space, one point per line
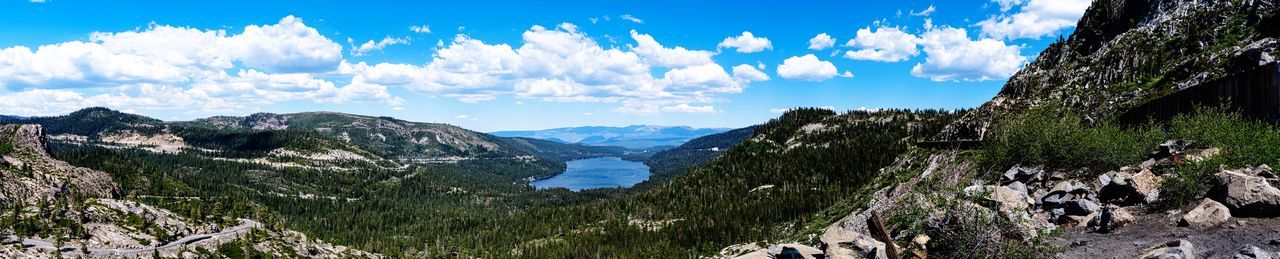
1208 213
1247 192
30 175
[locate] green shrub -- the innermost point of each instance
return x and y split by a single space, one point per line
6 147
1045 136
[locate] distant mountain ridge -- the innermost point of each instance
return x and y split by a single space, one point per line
309 139
634 136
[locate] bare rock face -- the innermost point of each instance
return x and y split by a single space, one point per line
842 243
1177 249
31 175
1246 193
1208 213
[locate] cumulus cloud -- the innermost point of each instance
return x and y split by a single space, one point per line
821 41
210 71
1034 19
747 73
168 67
807 68
424 29
165 54
884 44
654 53
746 43
952 56
288 46
371 46
562 64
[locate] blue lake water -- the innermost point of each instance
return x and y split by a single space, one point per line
605 172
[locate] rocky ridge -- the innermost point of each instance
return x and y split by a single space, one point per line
31 175
62 210
1125 52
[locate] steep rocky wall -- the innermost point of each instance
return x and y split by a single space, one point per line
1126 52
30 175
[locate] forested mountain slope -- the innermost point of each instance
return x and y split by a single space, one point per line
670 163
785 173
49 208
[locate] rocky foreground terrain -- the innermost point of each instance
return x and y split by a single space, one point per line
1122 54
53 209
1103 217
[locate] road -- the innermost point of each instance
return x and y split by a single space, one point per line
245 225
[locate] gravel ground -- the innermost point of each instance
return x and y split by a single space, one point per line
1220 241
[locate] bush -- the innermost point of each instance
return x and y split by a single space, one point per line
1045 136
6 147
1055 139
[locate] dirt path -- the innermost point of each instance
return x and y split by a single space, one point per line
1150 229
245 225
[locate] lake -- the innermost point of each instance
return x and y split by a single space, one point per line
605 172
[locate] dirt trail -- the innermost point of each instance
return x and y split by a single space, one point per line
1150 229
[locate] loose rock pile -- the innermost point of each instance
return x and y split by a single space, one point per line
1066 199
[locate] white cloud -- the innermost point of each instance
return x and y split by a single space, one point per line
746 43
465 117
846 74
181 68
1035 19
564 65
927 11
165 54
178 68
371 46
424 29
885 44
630 18
747 73
654 53
289 46
821 41
806 68
953 56
1006 5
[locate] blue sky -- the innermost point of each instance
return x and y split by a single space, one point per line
513 65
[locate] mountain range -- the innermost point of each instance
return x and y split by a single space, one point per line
635 136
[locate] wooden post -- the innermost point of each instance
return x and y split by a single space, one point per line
876 227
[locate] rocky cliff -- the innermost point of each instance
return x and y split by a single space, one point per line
1126 52
31 175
